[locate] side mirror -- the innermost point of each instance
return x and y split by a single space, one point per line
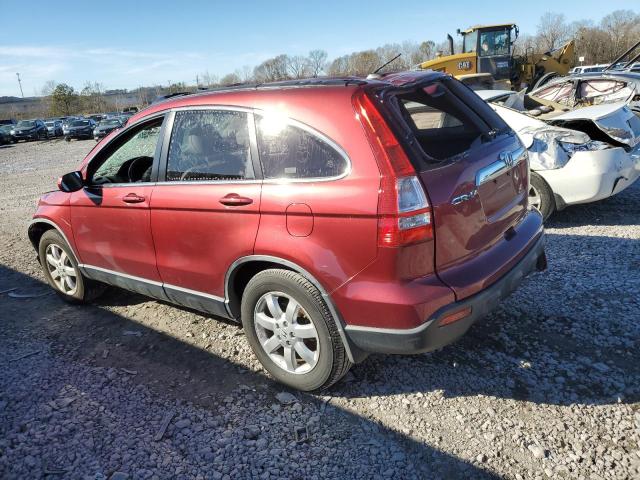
71 182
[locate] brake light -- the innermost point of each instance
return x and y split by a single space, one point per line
404 213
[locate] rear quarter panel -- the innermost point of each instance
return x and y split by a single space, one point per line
343 240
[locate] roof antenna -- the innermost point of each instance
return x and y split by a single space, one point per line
375 72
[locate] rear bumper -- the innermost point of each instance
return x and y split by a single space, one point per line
430 335
592 176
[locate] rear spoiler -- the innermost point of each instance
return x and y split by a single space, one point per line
630 62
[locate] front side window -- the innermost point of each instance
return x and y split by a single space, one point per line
130 159
494 42
209 145
288 151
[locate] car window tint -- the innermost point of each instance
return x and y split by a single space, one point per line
140 143
209 145
288 151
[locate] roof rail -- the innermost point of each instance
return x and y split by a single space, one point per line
633 47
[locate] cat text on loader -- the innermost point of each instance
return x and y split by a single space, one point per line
487 58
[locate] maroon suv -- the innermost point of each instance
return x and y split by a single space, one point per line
334 218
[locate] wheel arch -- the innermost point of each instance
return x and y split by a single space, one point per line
243 269
39 226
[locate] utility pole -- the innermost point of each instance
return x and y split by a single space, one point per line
20 83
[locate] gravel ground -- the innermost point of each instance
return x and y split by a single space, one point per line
546 386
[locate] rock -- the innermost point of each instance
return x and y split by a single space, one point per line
286 398
537 451
184 423
119 476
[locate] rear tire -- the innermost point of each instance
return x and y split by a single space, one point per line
541 196
292 332
62 273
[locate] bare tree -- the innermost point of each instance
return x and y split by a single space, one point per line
272 69
48 88
317 62
298 66
622 28
245 73
209 80
230 79
552 31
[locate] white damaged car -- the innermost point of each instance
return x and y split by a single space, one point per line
576 156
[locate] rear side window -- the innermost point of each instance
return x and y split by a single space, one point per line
598 91
289 151
561 93
209 145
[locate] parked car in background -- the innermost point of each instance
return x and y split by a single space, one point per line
588 69
97 117
80 129
105 127
29 130
329 235
581 156
66 121
5 134
7 121
54 127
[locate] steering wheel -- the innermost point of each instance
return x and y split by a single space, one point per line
138 167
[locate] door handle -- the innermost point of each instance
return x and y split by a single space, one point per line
235 200
133 198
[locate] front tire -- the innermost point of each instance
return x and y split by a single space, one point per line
61 270
292 332
541 196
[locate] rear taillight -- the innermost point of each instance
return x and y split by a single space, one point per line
404 214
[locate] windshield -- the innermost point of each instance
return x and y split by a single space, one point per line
470 42
110 123
6 128
80 123
494 42
26 123
49 124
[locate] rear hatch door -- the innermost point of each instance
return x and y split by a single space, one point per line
475 171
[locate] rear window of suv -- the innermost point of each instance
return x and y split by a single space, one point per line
291 151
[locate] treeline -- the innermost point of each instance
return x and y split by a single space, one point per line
597 42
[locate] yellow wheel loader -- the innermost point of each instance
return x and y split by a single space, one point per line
487 59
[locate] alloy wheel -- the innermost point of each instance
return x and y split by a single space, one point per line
62 271
286 333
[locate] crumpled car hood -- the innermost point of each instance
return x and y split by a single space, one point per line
616 120
546 144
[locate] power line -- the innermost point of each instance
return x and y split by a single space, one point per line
20 83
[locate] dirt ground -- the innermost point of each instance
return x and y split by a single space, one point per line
548 386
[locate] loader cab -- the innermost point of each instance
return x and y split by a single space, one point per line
492 45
